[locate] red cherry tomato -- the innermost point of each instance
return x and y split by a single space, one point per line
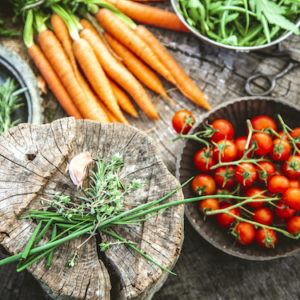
281 150
291 168
252 192
265 169
263 143
283 211
263 122
224 219
240 143
224 200
293 225
292 198
227 149
224 177
294 183
245 174
203 184
263 215
209 204
179 119
203 160
278 184
245 233
283 135
296 135
224 129
266 237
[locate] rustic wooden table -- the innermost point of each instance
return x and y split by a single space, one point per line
202 271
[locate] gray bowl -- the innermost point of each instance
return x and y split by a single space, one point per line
12 66
175 4
236 112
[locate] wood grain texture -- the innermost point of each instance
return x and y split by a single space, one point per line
34 159
203 272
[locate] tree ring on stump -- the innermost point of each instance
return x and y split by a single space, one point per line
33 163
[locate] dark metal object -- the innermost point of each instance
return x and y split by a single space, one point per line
237 112
7 70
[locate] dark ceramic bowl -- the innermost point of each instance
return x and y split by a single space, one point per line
12 66
236 112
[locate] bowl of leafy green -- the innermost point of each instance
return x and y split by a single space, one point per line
19 96
240 25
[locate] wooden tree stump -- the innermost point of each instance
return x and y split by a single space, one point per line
33 162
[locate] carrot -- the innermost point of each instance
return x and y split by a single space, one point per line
123 100
183 81
119 73
137 67
62 66
117 28
95 75
53 81
149 15
110 116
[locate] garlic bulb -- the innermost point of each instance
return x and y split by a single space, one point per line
78 167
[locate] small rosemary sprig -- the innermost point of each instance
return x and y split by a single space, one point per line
10 101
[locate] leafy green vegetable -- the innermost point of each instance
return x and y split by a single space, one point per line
242 22
10 101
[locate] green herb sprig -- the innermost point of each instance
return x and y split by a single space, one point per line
10 101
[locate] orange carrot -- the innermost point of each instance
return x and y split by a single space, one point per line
119 73
183 81
137 67
53 81
62 66
123 100
117 28
149 15
96 76
110 116
87 25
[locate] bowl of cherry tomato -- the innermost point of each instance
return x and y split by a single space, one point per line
244 157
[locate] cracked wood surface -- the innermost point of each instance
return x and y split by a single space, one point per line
37 156
203 272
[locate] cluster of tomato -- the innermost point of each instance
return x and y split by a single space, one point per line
263 166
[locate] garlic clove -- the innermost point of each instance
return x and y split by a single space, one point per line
78 167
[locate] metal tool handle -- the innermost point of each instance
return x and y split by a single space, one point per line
271 79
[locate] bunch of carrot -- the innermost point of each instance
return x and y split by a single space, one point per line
92 68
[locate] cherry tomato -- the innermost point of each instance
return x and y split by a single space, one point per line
179 119
203 184
203 160
266 237
294 183
224 200
283 135
227 149
245 233
292 198
245 174
209 204
283 211
296 135
278 184
293 225
265 169
263 215
224 177
291 168
281 150
224 131
263 143
240 143
224 219
263 122
252 192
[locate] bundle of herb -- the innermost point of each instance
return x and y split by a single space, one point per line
10 101
242 22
